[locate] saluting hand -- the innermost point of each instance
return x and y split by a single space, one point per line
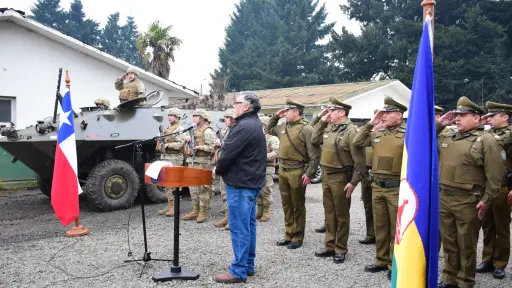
377 118
327 116
280 113
448 118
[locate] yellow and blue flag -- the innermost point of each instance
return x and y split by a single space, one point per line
415 254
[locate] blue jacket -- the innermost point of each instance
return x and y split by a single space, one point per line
243 157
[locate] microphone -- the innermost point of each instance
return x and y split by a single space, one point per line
194 125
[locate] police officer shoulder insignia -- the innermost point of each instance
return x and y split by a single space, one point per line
479 139
326 136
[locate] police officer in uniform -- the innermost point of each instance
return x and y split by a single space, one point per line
387 142
172 151
264 200
438 111
130 86
298 160
470 174
496 226
342 168
201 156
366 196
229 117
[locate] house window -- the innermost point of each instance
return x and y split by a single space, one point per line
6 110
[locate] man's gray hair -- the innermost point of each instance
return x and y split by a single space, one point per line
250 97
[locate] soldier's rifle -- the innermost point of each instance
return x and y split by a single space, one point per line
162 141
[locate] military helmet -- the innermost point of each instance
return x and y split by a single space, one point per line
176 112
201 113
229 113
264 120
102 101
132 70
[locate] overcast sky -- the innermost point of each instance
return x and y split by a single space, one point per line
199 23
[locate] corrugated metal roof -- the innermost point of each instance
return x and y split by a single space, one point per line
314 95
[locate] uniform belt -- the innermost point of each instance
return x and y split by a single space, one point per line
387 183
284 169
172 152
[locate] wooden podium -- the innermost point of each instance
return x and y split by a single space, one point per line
178 177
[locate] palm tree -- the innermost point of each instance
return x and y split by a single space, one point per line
162 46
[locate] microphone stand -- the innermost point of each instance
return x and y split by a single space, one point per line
140 171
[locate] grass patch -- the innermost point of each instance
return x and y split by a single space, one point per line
2 186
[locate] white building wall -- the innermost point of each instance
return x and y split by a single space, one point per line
29 66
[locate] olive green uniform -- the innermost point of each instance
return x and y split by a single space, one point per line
342 163
224 221
387 150
496 226
297 156
366 196
470 171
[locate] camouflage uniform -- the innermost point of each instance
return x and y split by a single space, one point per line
173 153
224 221
204 139
264 200
130 90
102 103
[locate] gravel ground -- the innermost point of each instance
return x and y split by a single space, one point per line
36 254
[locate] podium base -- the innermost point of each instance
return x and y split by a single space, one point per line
175 273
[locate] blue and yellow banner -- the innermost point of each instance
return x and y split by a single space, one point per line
415 254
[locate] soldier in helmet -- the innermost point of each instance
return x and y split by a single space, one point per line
496 226
229 120
264 200
172 151
387 149
102 103
298 161
342 168
470 174
130 86
201 156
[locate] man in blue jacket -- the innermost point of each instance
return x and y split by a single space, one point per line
242 166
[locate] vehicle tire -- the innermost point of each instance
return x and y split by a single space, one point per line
45 185
112 185
318 175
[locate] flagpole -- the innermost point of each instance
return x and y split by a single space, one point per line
78 230
428 9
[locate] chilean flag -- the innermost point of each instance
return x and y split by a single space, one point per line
65 185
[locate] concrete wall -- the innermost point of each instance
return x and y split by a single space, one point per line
29 65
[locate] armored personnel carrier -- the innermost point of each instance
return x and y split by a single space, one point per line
108 174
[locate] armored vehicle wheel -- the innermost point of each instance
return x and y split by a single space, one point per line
45 185
112 185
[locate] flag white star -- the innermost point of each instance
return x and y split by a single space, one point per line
64 118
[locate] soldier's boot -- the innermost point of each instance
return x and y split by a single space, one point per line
170 212
259 211
202 215
266 214
192 215
223 222
163 211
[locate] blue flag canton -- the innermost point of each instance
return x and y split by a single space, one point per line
66 121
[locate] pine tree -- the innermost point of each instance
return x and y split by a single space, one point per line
471 46
273 44
77 26
129 34
49 13
111 36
